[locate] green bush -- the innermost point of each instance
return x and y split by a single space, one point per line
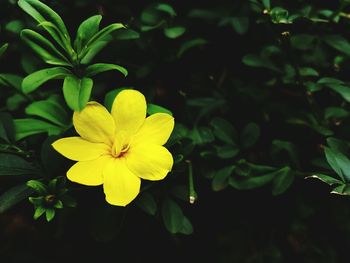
259 91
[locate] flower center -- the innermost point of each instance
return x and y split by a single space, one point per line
121 145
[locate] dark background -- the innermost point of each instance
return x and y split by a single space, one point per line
305 224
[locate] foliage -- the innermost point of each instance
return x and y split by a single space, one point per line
260 94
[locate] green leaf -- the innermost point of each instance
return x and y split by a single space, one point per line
266 4
224 130
42 13
36 79
335 113
227 151
28 127
58 205
3 48
339 163
87 30
221 178
338 42
341 90
50 214
92 52
258 61
342 190
252 182
102 67
125 34
38 186
308 72
39 211
279 147
302 41
110 96
37 201
7 129
153 108
174 32
77 92
50 110
187 228
14 26
325 178
11 80
250 135
282 181
11 164
99 36
147 203
166 8
44 48
279 15
239 23
13 196
173 218
191 44
201 135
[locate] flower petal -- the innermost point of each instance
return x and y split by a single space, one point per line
89 172
78 149
149 161
129 110
94 123
156 129
120 185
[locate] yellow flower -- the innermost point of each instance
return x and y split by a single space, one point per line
120 148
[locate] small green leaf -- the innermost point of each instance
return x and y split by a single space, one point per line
282 181
44 48
325 178
87 30
201 135
39 211
14 26
173 217
50 214
99 36
3 48
250 135
153 108
36 79
49 110
13 196
174 32
239 23
191 44
187 228
42 13
339 162
58 204
224 130
11 164
166 8
125 34
147 203
102 67
7 129
338 42
77 92
28 127
221 178
38 186
226 151
11 80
